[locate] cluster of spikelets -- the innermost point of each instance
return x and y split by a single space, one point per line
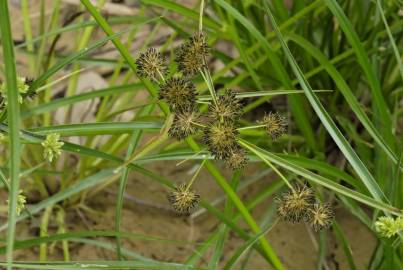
23 87
299 205
218 125
388 226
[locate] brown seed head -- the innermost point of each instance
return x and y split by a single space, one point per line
151 64
275 125
220 138
321 216
236 158
184 124
192 54
227 107
182 200
294 205
179 93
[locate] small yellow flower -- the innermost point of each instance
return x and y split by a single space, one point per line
22 87
21 201
388 227
52 146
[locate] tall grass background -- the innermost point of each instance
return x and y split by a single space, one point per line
335 66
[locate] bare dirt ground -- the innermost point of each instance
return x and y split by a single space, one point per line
146 212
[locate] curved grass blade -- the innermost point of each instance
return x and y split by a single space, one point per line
320 180
99 128
264 94
295 102
329 124
245 247
66 101
13 109
346 91
71 58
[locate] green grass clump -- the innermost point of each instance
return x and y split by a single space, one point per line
309 91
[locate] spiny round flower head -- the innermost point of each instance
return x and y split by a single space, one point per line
21 201
22 88
220 138
52 146
388 227
294 205
236 158
151 64
179 93
227 107
275 125
184 124
192 54
321 216
183 200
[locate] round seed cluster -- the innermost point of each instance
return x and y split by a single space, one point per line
191 55
183 200
275 125
299 205
151 65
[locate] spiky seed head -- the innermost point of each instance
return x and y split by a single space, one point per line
183 200
294 205
321 216
227 107
151 64
192 54
388 227
184 124
179 93
220 138
236 158
275 125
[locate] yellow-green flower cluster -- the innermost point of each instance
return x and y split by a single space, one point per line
388 227
52 146
22 87
21 201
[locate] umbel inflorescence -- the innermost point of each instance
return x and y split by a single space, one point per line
299 205
218 125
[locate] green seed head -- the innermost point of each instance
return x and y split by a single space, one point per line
52 146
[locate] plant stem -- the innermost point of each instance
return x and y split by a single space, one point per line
195 175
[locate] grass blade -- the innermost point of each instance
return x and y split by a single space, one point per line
329 124
13 109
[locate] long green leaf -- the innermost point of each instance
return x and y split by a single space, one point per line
329 124
346 91
13 109
72 57
98 128
320 180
